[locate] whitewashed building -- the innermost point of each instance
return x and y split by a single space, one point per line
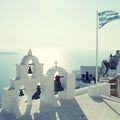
29 73
109 66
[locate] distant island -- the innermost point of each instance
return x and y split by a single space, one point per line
8 53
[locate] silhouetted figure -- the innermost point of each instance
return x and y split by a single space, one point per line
29 70
83 78
21 93
87 78
37 93
57 84
94 80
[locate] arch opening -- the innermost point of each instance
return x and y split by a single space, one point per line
57 83
22 99
30 68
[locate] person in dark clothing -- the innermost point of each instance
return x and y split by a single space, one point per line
94 80
87 77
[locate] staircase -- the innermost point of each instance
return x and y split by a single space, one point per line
113 89
115 86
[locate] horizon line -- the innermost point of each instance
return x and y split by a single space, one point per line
14 53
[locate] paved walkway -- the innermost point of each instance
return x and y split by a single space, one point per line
99 108
83 107
1 117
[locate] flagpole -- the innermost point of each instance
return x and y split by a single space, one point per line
96 47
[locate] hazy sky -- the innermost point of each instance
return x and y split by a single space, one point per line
56 23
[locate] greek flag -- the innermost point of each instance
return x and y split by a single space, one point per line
107 16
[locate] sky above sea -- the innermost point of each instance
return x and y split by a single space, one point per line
57 24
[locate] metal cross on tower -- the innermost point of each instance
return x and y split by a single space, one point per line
56 64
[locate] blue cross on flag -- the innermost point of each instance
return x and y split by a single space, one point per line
107 16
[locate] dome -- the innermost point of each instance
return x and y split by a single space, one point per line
55 69
28 57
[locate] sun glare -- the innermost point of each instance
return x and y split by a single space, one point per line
48 56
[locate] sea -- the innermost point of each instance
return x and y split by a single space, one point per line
70 60
7 69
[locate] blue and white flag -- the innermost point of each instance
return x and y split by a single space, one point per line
107 16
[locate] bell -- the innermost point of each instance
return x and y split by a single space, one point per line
21 93
37 93
57 84
30 70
